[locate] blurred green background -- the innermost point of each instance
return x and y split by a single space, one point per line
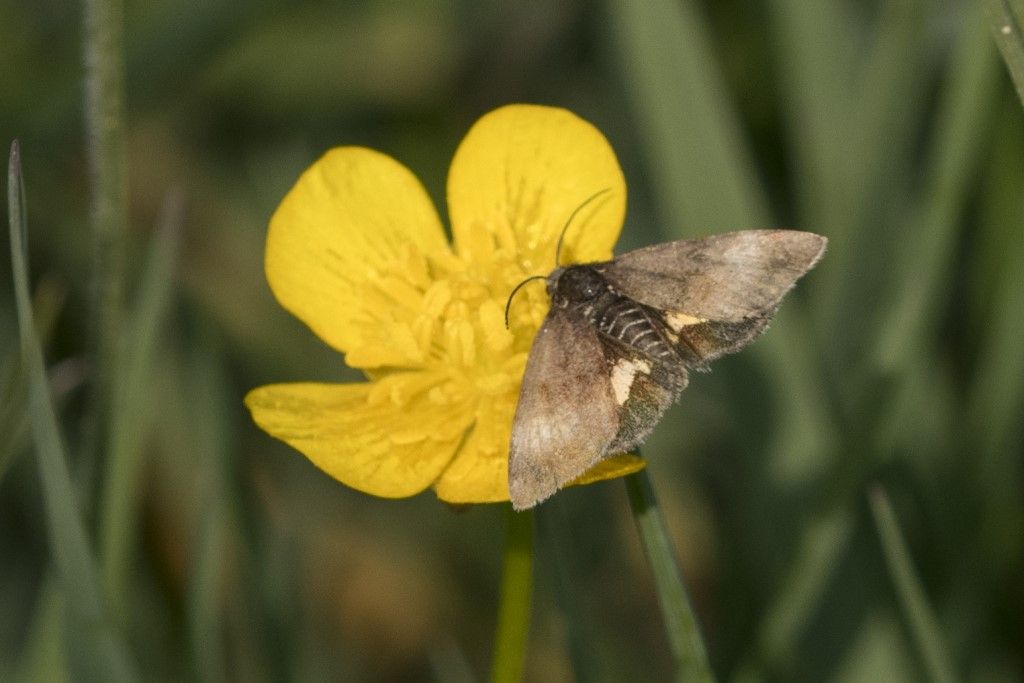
891 126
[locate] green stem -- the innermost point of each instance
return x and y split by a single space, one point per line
516 596
105 130
680 622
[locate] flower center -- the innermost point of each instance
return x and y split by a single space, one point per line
445 314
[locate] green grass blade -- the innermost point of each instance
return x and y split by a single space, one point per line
42 658
103 655
1006 18
878 652
995 398
816 62
209 398
14 420
881 105
684 636
206 623
820 548
997 385
929 241
13 411
133 406
919 615
702 175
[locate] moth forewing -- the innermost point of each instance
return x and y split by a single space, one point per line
566 415
725 277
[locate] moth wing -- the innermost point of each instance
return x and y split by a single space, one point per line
727 278
566 415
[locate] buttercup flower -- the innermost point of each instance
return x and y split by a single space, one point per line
357 251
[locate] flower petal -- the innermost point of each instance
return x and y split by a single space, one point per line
477 475
352 233
517 177
386 443
610 468
479 472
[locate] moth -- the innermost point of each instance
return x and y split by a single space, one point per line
621 337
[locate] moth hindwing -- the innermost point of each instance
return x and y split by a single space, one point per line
614 351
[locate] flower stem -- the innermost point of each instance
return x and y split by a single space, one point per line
108 188
680 622
516 597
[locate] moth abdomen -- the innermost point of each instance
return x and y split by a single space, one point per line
634 325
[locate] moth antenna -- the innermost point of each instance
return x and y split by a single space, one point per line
561 237
508 303
558 249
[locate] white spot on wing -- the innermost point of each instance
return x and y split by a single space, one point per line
623 373
678 321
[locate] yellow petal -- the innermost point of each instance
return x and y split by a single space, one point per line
479 474
610 468
391 447
344 241
520 173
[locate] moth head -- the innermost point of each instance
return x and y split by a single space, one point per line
575 284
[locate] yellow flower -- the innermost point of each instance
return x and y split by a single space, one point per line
357 251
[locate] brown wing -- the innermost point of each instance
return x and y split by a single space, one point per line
725 278
566 415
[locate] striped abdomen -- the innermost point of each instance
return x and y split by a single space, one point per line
632 324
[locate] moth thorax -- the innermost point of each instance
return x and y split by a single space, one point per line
577 284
